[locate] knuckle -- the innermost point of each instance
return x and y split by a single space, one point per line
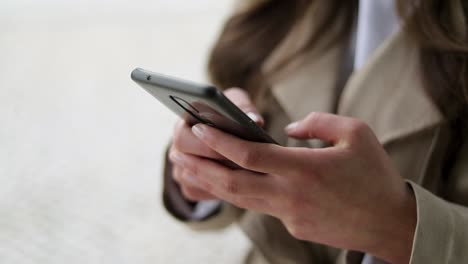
172 149
249 158
311 120
177 141
230 185
178 125
193 168
182 138
357 129
206 187
191 194
313 117
296 228
176 174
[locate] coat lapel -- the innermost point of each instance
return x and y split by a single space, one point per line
308 82
388 93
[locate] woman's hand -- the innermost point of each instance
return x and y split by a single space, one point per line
348 195
185 142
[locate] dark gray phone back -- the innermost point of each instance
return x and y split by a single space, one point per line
197 103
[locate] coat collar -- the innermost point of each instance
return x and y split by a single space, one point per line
387 93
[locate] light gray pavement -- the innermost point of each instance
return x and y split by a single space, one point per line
81 145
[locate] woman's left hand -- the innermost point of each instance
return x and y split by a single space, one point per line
348 195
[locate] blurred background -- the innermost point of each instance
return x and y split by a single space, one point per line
81 145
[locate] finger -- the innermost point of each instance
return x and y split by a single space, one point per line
184 141
195 194
260 157
192 192
253 204
242 100
224 192
192 189
176 173
224 182
328 127
189 190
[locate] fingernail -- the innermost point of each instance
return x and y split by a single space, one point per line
292 126
198 130
254 116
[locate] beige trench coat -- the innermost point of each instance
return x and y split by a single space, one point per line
387 93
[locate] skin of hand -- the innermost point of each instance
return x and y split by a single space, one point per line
348 195
184 141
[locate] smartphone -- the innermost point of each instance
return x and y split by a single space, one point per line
199 103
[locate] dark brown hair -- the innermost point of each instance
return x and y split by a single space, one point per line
439 27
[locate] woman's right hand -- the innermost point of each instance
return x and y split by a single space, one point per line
184 141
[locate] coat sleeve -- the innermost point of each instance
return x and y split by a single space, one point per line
184 211
441 234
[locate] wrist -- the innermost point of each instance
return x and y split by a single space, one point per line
394 242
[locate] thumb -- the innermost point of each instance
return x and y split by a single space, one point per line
327 127
242 100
